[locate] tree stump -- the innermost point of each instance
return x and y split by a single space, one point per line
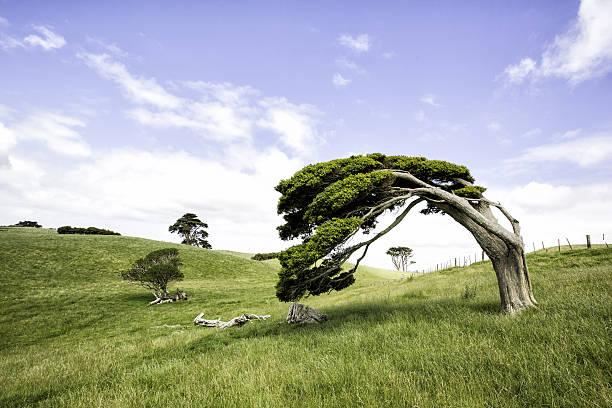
169 297
299 313
235 322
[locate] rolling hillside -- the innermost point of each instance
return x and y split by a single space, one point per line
76 335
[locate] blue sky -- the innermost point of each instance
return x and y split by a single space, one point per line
125 115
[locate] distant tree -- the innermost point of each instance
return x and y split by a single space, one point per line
265 256
400 256
191 229
155 271
67 229
32 224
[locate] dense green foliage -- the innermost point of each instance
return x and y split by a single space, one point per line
192 229
297 277
347 188
155 270
67 229
400 256
29 224
265 256
76 336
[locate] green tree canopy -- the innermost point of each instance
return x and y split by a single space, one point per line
192 229
327 204
155 271
400 257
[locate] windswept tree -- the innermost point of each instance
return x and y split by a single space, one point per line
327 204
400 256
192 230
155 271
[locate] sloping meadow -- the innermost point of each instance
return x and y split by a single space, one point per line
76 335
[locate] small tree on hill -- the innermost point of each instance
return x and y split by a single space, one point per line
191 229
400 256
155 271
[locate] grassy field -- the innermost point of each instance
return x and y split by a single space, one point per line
76 335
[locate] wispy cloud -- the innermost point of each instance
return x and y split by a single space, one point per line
48 41
581 53
4 22
221 112
388 54
45 39
340 81
431 99
532 133
584 152
350 65
58 132
138 89
360 43
112 47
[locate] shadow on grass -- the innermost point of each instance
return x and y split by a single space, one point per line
370 314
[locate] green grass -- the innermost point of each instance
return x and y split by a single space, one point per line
75 335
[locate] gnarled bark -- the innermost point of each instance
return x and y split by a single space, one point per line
235 322
299 313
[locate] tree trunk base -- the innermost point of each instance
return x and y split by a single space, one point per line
235 322
299 313
170 297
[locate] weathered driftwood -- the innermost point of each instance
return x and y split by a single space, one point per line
235 322
169 297
299 313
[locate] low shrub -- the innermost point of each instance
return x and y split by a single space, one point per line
32 224
265 256
67 229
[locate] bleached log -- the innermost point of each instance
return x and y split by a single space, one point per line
169 297
299 313
235 322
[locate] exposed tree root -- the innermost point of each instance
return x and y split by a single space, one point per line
299 313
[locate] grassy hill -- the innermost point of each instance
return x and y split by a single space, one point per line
75 335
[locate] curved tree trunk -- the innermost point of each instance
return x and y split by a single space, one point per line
507 257
513 280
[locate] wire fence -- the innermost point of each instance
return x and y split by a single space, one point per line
561 244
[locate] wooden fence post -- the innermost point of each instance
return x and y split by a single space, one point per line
559 244
568 243
545 250
588 241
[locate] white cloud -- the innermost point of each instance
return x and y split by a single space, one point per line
430 99
584 152
138 89
57 132
4 22
221 112
359 44
295 124
581 53
570 134
388 54
140 193
7 42
532 133
521 71
48 41
350 65
112 48
340 81
494 126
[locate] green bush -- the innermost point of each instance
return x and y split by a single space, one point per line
67 229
